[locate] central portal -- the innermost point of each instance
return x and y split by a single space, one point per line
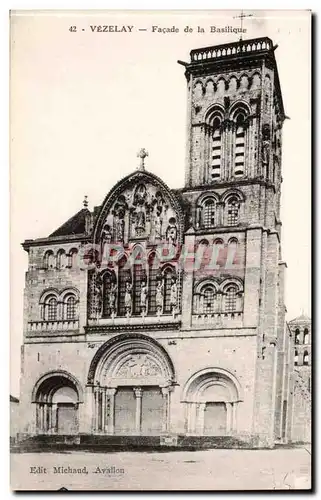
132 378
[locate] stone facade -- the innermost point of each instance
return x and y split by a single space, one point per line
161 311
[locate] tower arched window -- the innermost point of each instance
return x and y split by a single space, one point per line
297 336
72 258
239 147
230 298
49 260
208 213
208 301
71 307
61 259
51 306
216 149
233 210
306 336
306 358
296 358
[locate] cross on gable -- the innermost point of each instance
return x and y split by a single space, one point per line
241 17
142 153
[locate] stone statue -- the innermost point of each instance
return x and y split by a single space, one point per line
143 297
120 224
98 299
105 241
106 234
140 221
112 297
159 297
158 226
128 298
171 231
173 296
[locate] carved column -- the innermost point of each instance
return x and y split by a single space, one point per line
50 418
39 417
54 417
110 410
45 418
96 409
103 408
138 395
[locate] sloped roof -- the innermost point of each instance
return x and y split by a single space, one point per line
13 399
75 225
303 318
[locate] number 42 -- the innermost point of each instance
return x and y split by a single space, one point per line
73 29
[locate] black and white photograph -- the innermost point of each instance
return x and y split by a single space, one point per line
160 242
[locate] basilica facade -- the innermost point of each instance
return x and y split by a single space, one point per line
161 312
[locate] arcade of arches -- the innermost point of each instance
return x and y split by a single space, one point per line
131 381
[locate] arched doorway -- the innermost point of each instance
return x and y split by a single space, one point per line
57 396
211 397
132 378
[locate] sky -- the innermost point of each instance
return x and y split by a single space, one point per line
83 103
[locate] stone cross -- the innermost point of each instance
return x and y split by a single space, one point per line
142 153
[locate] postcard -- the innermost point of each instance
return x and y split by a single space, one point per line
160 294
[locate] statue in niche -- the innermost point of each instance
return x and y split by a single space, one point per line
140 195
106 234
171 231
105 240
119 216
140 210
158 203
159 297
119 228
140 221
143 297
128 298
98 296
173 295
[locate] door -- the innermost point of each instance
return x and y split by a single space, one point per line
152 410
215 419
125 411
67 418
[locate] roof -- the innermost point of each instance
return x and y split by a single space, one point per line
13 399
75 225
303 318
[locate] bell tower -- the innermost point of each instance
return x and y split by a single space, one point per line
233 180
235 116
